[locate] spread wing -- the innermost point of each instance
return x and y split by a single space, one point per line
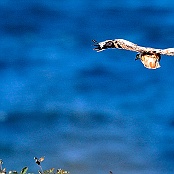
127 45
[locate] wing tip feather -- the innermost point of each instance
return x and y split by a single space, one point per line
97 45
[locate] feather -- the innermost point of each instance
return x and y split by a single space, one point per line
150 57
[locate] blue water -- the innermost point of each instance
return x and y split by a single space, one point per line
86 112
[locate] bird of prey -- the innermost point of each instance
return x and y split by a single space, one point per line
150 57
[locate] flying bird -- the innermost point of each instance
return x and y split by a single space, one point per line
150 57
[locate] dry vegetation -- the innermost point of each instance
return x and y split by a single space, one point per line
40 171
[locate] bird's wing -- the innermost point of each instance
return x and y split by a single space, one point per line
168 51
127 45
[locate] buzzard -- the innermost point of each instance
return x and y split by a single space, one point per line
150 57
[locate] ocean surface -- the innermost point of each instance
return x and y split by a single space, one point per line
85 112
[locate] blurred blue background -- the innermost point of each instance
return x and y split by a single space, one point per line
86 112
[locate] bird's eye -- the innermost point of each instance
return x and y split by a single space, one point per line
137 56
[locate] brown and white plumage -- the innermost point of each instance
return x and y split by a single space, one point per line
150 57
